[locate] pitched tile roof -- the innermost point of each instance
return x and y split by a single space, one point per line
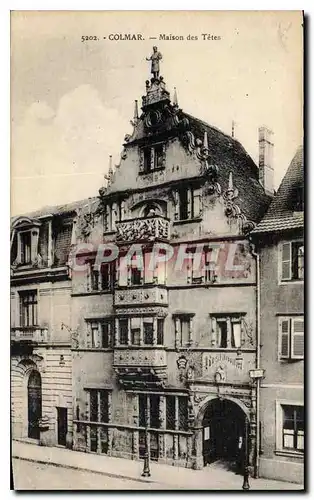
284 212
230 156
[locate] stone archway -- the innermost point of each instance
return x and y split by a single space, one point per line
219 430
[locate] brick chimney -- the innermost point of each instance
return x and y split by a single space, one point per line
266 168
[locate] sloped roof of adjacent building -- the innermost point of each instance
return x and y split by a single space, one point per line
284 212
230 156
64 209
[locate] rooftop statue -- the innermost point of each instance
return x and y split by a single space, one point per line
155 58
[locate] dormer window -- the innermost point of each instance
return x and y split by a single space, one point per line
152 158
25 241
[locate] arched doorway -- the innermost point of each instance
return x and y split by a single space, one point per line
223 432
34 404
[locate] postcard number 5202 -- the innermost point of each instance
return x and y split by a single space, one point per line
87 38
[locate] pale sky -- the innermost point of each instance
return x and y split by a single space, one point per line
72 101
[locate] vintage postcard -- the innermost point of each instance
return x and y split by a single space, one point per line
157 250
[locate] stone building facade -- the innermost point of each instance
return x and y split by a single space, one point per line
41 359
162 342
279 241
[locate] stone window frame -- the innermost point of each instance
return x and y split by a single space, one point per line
89 277
114 212
99 322
229 318
178 317
98 424
194 203
141 344
152 148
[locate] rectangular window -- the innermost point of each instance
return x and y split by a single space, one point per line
107 333
123 331
102 333
98 405
184 330
291 337
148 331
101 279
183 204
222 333
158 156
170 412
28 308
154 411
93 405
227 331
26 241
135 331
293 428
183 413
136 271
147 160
160 331
292 260
142 408
94 326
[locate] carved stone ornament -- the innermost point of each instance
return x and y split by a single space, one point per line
220 375
232 210
143 229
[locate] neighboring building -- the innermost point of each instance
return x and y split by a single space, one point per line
41 361
280 243
163 346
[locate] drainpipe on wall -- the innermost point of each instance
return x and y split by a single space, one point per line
258 356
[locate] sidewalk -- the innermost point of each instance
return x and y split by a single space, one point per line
210 478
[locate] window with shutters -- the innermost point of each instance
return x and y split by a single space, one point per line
291 338
202 267
28 308
291 261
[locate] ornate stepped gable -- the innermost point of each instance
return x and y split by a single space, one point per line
216 157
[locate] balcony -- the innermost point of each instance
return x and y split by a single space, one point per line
143 229
29 334
145 367
146 296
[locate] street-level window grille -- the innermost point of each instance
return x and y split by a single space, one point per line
292 260
170 412
293 428
183 413
98 413
28 308
149 408
291 338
